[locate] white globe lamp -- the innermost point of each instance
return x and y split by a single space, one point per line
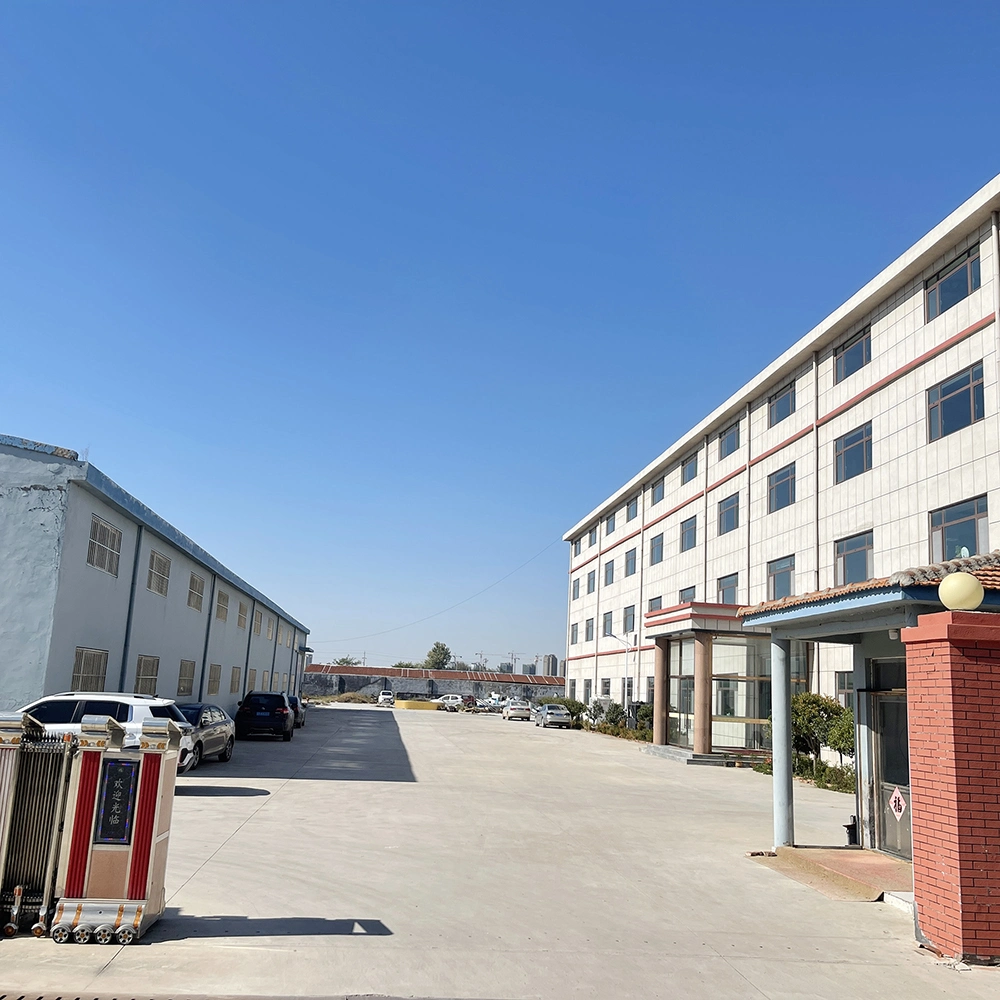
960 592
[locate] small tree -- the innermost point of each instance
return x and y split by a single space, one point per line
841 734
595 713
347 661
644 715
812 717
438 657
615 715
405 665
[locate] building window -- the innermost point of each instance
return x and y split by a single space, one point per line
270 628
845 688
588 630
256 622
657 491
605 687
956 403
591 581
853 355
656 550
854 559
781 405
781 578
953 283
574 634
853 453
592 539
577 545
655 604
960 531
105 546
686 596
234 681
630 562
281 635
689 469
251 680
606 624
628 619
185 679
729 440
576 588
650 690
609 524
727 588
265 681
781 488
609 572
90 667
222 606
729 514
241 616
214 677
689 533
632 510
196 592
147 667
159 574
587 689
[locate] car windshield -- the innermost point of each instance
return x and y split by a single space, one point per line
191 712
170 711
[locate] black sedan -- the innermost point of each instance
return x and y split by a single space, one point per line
298 706
214 732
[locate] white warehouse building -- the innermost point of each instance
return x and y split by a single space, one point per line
98 593
869 446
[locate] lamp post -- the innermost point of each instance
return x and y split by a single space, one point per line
628 646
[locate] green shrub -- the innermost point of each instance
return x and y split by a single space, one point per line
813 715
595 713
639 735
644 715
615 714
841 735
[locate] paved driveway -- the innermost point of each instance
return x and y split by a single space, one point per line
446 855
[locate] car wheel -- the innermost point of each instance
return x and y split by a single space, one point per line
287 735
227 754
195 758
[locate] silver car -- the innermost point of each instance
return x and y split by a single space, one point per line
553 715
517 710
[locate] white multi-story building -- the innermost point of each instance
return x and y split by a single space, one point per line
98 593
869 446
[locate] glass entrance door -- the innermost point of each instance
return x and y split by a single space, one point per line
892 776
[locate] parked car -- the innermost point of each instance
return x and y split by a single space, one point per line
553 715
449 702
214 732
517 710
469 702
63 713
386 698
298 706
265 712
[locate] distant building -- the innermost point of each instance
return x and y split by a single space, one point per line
550 665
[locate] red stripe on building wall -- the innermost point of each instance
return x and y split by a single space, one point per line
608 652
83 823
725 479
142 838
784 444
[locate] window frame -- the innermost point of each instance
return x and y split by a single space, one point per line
214 678
968 259
721 589
863 337
981 526
934 408
155 574
577 546
607 624
656 549
840 557
235 680
147 668
786 392
655 604
258 618
241 615
689 534
632 509
575 589
104 554
628 619
727 447
609 523
774 571
841 451
221 606
592 537
185 678
196 596
609 573
683 597
588 630
657 491
776 485
84 675
723 511
574 634
605 687
591 581
630 562
689 468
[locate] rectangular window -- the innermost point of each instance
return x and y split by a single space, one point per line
655 604
960 531
729 514
146 669
281 635
588 630
572 690
628 619
196 592
630 562
609 572
592 540
632 510
251 680
729 440
853 453
605 687
686 596
591 581
657 491
845 688
574 634
609 524
781 578
689 469
607 624
288 638
656 550
955 403
90 667
185 679
576 588
105 546
284 681
256 622
854 559
241 616
234 680
270 628
689 533
781 488
952 283
214 677
850 357
781 405
577 545
587 689
158 577
265 681
727 588
222 606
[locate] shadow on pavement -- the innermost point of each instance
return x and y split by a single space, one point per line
175 926
225 790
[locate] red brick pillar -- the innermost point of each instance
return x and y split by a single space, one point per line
953 705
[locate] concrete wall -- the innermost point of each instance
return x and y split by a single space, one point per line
417 687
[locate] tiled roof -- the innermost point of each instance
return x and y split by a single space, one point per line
985 568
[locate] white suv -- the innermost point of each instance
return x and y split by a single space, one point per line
386 698
449 702
63 713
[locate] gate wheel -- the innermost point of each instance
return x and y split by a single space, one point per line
125 935
83 933
61 933
9 930
105 934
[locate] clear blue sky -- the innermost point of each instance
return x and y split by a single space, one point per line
375 300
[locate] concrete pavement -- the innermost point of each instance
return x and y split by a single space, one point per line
448 855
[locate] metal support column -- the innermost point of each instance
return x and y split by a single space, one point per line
781 742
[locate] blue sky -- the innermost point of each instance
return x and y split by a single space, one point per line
375 300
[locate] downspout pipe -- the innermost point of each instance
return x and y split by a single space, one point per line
127 644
